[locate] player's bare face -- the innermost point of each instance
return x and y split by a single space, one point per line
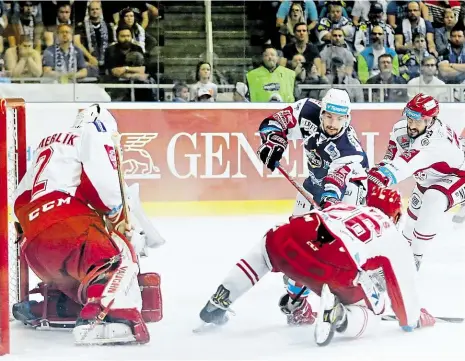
333 123
415 128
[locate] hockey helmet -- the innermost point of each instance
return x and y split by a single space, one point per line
336 101
422 106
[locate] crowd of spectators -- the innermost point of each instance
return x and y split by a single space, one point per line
364 42
312 42
68 41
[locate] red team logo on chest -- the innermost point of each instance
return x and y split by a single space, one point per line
111 155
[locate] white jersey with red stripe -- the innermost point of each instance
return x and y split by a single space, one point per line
70 172
373 242
428 158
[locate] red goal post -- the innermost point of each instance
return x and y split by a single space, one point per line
14 282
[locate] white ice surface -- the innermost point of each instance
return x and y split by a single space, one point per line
198 254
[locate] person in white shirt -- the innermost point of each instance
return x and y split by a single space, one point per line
427 81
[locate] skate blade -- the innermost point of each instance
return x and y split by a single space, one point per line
206 328
323 331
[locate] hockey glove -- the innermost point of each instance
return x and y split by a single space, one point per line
328 199
426 320
272 149
376 178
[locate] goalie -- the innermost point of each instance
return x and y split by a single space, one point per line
76 239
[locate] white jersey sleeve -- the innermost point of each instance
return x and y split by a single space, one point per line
429 157
99 178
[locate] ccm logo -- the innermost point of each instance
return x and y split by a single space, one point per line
48 206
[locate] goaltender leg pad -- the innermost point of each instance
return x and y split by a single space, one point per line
152 304
140 218
98 326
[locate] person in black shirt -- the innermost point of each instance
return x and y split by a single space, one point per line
301 46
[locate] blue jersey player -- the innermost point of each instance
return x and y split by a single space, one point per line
336 161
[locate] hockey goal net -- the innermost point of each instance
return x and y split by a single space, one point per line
14 283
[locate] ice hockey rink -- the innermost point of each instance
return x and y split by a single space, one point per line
198 253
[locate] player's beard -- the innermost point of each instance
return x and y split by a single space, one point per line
331 131
413 132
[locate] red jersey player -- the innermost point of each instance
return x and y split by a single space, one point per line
349 255
425 147
89 273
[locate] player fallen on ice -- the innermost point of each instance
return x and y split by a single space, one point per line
336 161
426 148
352 256
76 239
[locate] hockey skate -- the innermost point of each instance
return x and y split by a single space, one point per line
215 312
459 217
332 317
55 311
298 312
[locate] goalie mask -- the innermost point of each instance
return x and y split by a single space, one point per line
100 117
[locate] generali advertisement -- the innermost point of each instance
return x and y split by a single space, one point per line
192 155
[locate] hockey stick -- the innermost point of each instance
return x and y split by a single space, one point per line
439 319
297 186
309 198
116 138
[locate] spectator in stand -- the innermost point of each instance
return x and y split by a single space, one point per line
144 10
452 64
286 30
271 82
63 60
118 57
442 35
3 25
26 21
410 62
93 36
127 16
302 46
428 77
338 48
436 9
63 16
367 61
298 65
309 14
181 93
313 78
386 76
360 11
414 23
339 76
363 32
203 73
397 11
204 95
23 60
335 19
240 92
325 7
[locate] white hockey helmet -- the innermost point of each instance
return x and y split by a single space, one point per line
336 101
99 116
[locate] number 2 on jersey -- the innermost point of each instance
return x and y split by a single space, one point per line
42 160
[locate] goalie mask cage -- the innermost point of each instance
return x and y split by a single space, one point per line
14 284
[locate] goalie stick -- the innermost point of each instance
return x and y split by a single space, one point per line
439 319
116 139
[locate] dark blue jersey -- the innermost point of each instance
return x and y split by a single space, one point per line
325 155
